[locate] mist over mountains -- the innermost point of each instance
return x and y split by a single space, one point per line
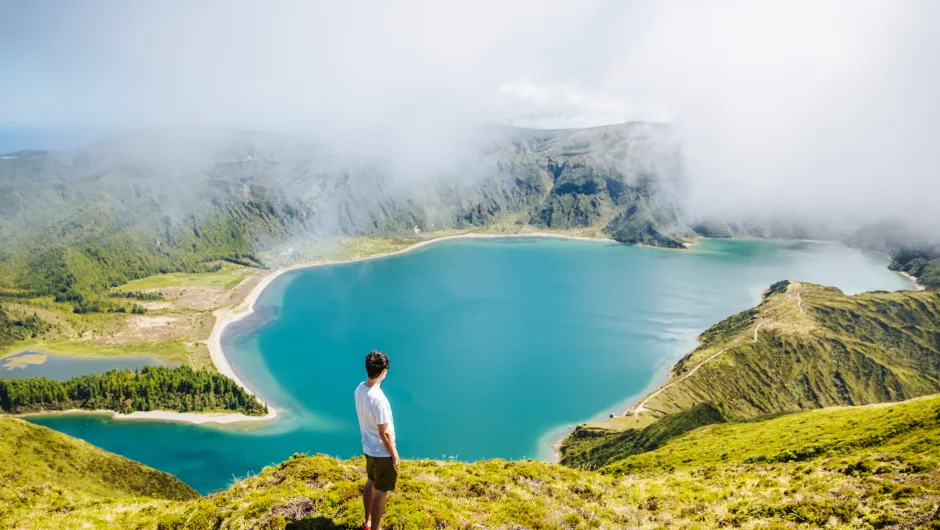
194 194
791 119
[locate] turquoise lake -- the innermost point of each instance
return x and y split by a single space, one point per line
496 346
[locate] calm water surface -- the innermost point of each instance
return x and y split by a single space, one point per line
61 368
495 345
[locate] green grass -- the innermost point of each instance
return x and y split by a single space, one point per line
854 467
841 350
227 278
361 247
592 447
907 427
44 472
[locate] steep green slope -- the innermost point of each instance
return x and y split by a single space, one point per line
13 330
921 261
76 223
855 467
804 347
43 472
593 447
816 347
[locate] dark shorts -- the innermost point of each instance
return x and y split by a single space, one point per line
380 470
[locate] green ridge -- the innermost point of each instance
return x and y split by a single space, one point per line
43 472
849 467
841 350
593 447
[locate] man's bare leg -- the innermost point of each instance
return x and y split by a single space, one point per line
378 508
367 501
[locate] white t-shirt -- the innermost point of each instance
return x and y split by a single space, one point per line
373 410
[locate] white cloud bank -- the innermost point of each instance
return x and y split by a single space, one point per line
826 109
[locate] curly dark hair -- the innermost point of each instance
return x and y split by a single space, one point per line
376 363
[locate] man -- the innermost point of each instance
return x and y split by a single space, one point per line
378 440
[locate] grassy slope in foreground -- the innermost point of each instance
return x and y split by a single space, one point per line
816 347
850 467
43 471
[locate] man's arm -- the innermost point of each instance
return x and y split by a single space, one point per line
388 443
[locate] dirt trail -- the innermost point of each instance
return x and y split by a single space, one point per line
640 407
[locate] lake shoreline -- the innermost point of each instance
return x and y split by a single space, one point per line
917 286
195 418
225 317
555 437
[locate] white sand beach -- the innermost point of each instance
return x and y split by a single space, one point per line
166 415
917 286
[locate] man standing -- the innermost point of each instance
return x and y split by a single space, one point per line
378 440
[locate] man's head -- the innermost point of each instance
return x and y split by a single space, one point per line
376 364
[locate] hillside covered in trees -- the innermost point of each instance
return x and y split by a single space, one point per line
12 330
76 223
179 389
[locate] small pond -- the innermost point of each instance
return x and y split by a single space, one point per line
61 367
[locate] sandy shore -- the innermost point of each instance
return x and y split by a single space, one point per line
224 317
917 286
166 415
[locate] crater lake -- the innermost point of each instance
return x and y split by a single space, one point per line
496 346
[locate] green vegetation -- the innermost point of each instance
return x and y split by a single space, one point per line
361 247
225 277
593 447
902 428
840 350
76 228
101 305
43 472
137 295
851 467
170 352
12 331
81 230
920 261
179 389
77 224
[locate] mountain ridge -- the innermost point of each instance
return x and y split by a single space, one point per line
804 347
876 466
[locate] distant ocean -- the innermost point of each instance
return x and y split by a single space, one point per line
47 138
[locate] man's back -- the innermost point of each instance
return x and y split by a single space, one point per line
373 410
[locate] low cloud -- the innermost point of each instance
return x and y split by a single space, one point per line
807 109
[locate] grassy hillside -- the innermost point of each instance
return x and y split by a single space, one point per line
815 347
854 467
159 209
43 472
593 447
13 330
